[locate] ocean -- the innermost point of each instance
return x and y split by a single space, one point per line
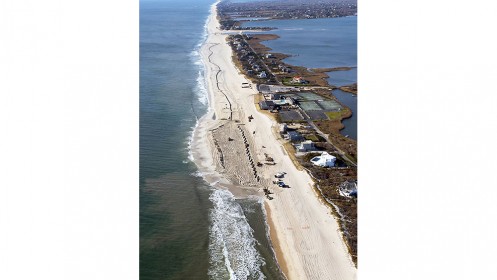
321 43
188 229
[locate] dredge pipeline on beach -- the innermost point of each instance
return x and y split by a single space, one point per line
218 71
238 233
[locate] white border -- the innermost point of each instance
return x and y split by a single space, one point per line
69 144
69 139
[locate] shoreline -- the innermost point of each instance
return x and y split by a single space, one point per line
278 253
305 236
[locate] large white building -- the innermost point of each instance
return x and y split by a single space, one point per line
324 160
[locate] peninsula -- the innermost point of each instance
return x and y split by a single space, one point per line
239 147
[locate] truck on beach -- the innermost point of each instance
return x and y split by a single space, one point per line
280 183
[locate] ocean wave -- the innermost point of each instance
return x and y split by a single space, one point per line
197 174
204 34
189 140
201 174
201 89
232 244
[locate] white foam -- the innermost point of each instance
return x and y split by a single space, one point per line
201 174
197 174
201 88
232 244
201 91
190 142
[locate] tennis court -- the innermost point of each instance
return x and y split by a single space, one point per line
309 105
329 105
310 96
288 116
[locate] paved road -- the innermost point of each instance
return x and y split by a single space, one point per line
325 136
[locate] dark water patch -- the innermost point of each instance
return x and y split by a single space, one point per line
253 210
174 205
349 100
314 43
342 78
174 228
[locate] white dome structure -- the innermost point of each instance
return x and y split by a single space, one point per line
324 160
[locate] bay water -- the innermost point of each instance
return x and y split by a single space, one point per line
320 43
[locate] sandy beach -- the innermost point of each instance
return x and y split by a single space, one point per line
227 146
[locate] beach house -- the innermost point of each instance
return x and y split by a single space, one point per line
348 188
324 160
305 146
298 80
266 105
294 136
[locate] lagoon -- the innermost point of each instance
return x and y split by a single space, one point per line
320 43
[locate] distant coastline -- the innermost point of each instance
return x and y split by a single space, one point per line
232 14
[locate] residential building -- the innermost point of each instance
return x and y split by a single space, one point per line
324 160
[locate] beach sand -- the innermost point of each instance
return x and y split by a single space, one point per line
227 146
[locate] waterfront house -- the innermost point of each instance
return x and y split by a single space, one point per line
294 136
298 80
274 96
348 188
305 146
290 101
266 105
324 160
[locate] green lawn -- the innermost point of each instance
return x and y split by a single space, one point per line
314 138
337 115
288 82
